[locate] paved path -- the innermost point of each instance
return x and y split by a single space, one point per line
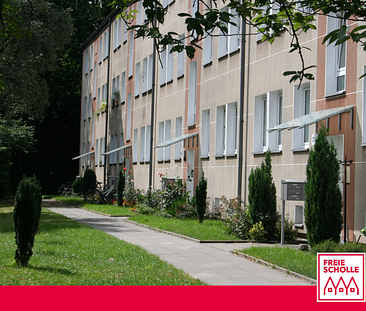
211 263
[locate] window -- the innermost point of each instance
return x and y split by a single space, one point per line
134 146
147 69
91 55
100 49
335 72
96 152
164 135
102 150
98 99
181 55
93 131
230 42
130 56
299 216
178 132
226 130
121 152
95 80
205 134
139 13
86 61
106 44
137 80
123 87
113 145
267 113
129 111
166 73
272 9
117 34
115 90
145 144
207 50
85 103
301 137
90 106
124 31
192 92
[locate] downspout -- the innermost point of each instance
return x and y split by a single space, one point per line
241 108
246 129
152 112
107 106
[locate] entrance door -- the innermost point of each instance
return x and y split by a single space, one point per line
190 172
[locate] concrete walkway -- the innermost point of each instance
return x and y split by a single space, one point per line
211 263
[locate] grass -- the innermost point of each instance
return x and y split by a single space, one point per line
208 230
100 208
68 253
291 259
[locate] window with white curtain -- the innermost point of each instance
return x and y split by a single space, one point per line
192 93
164 135
301 137
181 57
137 80
134 145
230 42
166 72
145 144
178 132
147 76
267 113
226 130
129 116
205 134
123 87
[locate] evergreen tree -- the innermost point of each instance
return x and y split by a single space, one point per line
262 197
27 212
201 198
323 204
120 187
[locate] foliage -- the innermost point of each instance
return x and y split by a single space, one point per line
89 180
262 197
77 185
201 198
175 193
323 204
130 195
235 217
291 233
120 187
257 233
143 209
291 17
27 213
329 246
185 210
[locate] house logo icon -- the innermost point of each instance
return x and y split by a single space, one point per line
341 277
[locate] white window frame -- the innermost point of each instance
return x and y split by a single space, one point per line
129 116
100 49
166 67
164 135
192 93
181 58
205 134
106 44
86 60
145 144
178 132
91 55
121 152
97 152
207 50
147 77
230 42
95 80
90 106
333 72
274 8
298 215
268 112
123 87
102 150
226 130
364 110
302 106
130 54
137 79
85 104
134 145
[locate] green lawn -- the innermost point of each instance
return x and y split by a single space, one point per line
208 230
69 253
291 259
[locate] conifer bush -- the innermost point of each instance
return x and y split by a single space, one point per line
201 198
27 212
323 203
262 197
89 180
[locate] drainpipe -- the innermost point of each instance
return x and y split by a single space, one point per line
246 129
106 111
241 108
152 112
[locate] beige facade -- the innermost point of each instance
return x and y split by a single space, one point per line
202 97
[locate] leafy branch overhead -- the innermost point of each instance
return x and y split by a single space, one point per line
272 19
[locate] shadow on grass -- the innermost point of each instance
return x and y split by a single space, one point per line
52 270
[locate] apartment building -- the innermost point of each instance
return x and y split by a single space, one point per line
221 111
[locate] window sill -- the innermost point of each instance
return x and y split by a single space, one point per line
209 64
193 126
205 157
341 93
363 144
223 57
264 152
180 77
300 150
301 226
231 53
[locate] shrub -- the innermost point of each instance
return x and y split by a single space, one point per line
120 187
257 233
89 180
323 204
329 246
235 217
27 212
185 210
174 192
130 195
77 185
143 209
201 198
262 197
291 233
